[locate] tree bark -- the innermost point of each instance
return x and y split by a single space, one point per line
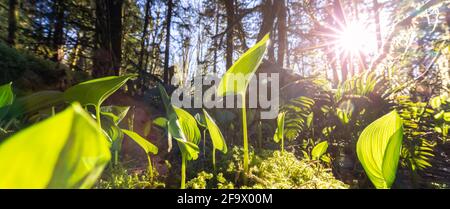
142 67
12 22
229 7
108 28
282 32
376 11
58 33
167 49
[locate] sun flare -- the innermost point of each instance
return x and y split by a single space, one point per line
355 38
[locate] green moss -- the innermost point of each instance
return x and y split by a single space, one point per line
285 171
119 177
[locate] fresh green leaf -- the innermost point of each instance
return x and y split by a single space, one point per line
200 119
148 147
217 138
279 133
319 150
244 68
95 92
6 99
36 102
116 113
378 149
161 122
65 151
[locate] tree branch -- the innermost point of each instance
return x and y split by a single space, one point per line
396 28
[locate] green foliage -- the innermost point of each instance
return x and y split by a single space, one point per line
71 156
282 170
199 182
35 102
379 147
217 138
298 113
245 66
15 65
148 147
6 99
181 126
231 82
119 177
319 150
279 133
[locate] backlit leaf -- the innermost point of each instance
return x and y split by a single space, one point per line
319 150
96 91
65 151
217 138
378 149
237 78
6 99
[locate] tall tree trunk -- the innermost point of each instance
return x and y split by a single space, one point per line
58 34
167 50
282 32
142 67
376 11
216 31
269 12
12 21
108 29
229 7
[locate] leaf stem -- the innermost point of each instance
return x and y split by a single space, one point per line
150 167
244 133
97 115
214 159
183 171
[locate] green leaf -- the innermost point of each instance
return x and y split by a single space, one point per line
161 122
378 149
435 102
244 68
65 151
217 138
148 147
279 133
188 125
309 119
35 102
319 150
181 126
447 116
200 119
96 91
116 113
6 99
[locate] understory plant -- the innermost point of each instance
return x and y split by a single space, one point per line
232 83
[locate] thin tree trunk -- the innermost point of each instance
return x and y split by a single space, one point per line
229 7
108 28
376 11
142 67
12 21
216 31
282 32
167 50
58 34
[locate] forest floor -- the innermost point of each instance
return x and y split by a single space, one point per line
141 114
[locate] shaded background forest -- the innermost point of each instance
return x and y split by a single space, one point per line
54 44
155 38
